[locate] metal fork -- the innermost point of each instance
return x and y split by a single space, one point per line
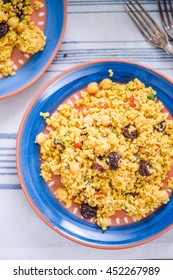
147 26
166 14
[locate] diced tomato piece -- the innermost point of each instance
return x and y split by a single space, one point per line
132 101
77 145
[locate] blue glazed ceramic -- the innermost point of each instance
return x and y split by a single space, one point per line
37 192
37 65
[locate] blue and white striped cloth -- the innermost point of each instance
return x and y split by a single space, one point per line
96 29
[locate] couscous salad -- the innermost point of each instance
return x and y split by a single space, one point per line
112 149
17 30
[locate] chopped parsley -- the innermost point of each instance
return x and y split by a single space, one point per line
151 96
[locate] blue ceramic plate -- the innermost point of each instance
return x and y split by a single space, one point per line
38 193
37 65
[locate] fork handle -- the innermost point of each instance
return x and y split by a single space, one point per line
168 48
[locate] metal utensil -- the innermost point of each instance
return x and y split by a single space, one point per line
147 26
166 14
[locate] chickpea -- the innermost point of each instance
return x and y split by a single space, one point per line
61 194
88 120
74 167
93 88
106 84
13 22
164 196
105 120
40 138
21 27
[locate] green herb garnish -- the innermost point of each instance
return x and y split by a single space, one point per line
151 96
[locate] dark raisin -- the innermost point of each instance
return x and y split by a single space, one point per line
161 126
144 168
87 211
112 160
3 29
6 1
129 132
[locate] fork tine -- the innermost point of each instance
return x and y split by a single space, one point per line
137 22
171 9
161 14
141 15
147 15
167 13
147 26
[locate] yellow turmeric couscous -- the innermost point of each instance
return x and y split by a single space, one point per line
17 30
112 149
